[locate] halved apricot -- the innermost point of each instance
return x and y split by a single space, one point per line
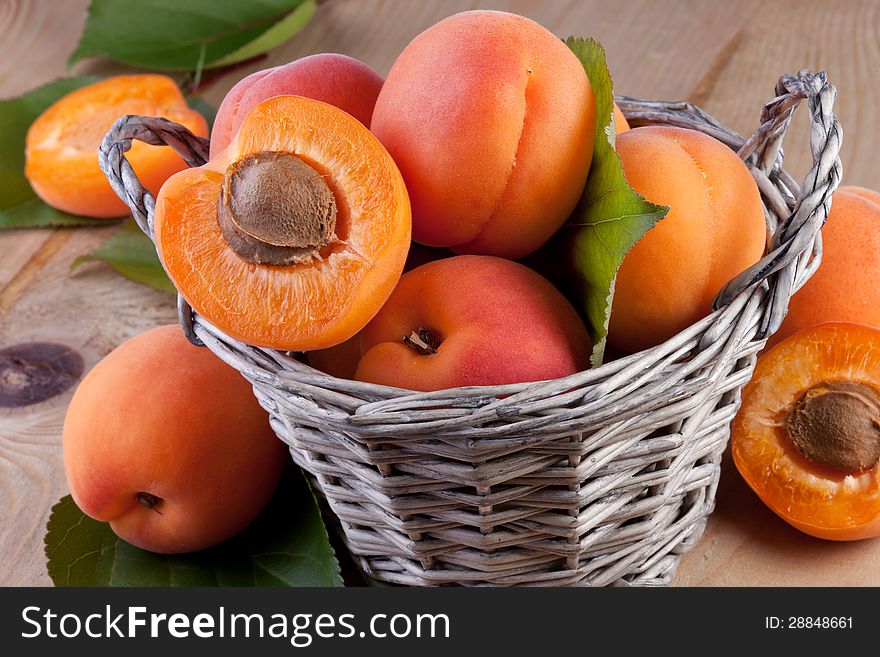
294 235
807 436
61 147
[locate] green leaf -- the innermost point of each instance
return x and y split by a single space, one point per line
185 36
205 109
610 217
282 31
286 546
19 205
131 253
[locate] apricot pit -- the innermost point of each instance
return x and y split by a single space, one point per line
275 209
837 424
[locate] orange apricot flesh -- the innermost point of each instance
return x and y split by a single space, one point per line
303 306
819 500
61 146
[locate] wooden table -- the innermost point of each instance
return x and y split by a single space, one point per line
725 56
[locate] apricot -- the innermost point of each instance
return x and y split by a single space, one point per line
168 444
471 321
491 119
61 147
620 122
807 436
846 287
714 230
294 235
339 80
340 361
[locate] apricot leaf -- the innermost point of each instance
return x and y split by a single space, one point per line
188 36
274 36
610 216
131 253
20 207
287 545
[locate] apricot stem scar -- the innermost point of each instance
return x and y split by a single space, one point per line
423 341
149 501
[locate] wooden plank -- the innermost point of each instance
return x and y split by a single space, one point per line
17 247
841 38
36 38
745 544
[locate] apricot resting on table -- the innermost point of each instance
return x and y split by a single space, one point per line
168 444
470 321
293 236
491 119
807 436
339 80
61 147
714 230
846 287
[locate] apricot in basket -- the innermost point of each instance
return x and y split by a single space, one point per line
491 119
714 230
469 321
340 80
294 235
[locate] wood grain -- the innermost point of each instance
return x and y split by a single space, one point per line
91 311
724 55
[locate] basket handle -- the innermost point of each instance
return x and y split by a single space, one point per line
155 131
796 246
124 181
796 213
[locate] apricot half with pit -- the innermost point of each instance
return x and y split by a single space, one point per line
294 235
807 436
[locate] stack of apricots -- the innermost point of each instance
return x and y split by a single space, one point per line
377 226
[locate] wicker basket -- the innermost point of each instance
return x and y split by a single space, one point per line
603 477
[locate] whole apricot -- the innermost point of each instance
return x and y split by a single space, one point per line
340 361
470 321
846 287
491 119
168 444
714 230
339 80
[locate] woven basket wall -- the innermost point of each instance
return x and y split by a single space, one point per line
604 477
